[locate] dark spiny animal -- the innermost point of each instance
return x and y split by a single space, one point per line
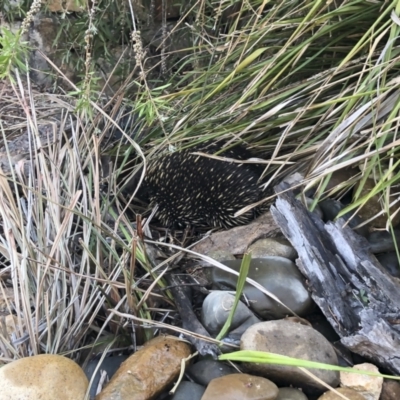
193 190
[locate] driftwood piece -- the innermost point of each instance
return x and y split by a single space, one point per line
189 319
359 298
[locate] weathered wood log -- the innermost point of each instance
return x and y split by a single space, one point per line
358 296
189 319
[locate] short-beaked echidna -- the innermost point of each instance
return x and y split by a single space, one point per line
195 190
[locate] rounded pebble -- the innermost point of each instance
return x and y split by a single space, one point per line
148 372
109 365
279 276
317 209
291 394
390 262
189 390
293 340
44 377
216 309
241 387
204 371
382 241
280 247
331 209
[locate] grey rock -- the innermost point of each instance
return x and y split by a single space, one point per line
216 308
220 255
390 262
109 365
293 340
291 394
331 209
317 209
279 276
382 241
204 371
323 326
189 390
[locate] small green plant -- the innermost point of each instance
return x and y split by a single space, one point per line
244 270
13 10
13 53
363 297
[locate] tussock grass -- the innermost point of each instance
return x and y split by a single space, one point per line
66 245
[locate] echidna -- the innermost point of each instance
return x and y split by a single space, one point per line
194 190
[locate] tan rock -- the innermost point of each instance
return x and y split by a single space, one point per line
349 393
280 247
147 372
240 387
44 377
293 340
369 386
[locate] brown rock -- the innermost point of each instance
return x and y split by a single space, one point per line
339 178
240 387
349 393
44 377
148 372
390 390
373 206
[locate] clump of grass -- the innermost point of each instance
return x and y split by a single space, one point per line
69 250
